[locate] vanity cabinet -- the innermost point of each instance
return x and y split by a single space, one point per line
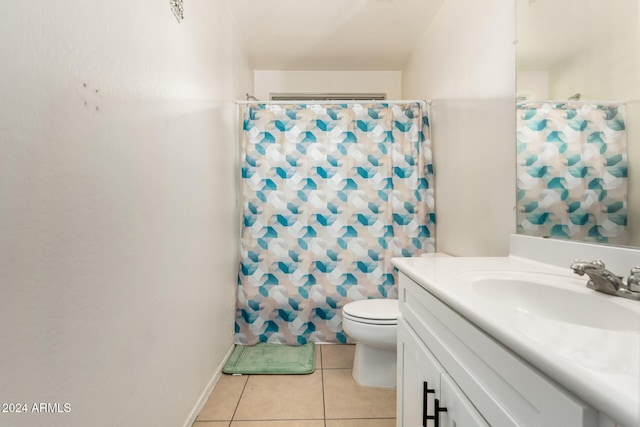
424 381
443 356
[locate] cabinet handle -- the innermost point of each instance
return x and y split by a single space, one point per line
425 411
436 412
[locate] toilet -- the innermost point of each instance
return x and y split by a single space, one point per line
373 325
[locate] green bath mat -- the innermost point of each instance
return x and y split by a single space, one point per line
265 358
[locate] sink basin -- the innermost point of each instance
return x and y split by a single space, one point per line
593 330
550 297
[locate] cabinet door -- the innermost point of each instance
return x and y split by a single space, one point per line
416 367
460 412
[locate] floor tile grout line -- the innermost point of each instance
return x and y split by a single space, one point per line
252 420
361 418
239 399
197 423
324 407
284 419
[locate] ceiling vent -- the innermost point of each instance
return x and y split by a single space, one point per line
328 96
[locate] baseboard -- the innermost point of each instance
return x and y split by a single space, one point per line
208 389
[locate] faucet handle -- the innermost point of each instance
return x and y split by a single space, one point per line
633 282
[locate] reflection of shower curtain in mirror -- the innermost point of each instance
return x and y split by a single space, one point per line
331 193
572 171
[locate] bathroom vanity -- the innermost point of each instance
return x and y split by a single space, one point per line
516 341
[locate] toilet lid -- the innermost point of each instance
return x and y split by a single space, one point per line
373 309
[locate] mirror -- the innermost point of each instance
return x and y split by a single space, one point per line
578 120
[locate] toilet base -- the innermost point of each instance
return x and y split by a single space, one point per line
373 367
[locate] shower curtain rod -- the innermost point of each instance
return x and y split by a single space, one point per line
362 101
573 102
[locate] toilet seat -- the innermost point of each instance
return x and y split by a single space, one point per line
372 311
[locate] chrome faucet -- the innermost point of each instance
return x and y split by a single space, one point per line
600 278
603 280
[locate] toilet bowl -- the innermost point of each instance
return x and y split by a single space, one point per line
373 325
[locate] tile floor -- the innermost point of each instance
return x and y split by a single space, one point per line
327 398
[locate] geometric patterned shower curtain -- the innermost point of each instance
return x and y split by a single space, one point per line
572 171
330 194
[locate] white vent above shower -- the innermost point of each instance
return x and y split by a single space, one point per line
328 96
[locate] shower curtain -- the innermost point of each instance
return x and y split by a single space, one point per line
572 171
330 194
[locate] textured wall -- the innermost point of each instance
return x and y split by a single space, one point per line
117 208
465 62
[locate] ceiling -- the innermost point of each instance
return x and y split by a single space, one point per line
381 34
331 34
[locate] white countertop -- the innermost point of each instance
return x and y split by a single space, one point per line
599 365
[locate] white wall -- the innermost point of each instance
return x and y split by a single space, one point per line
276 81
533 85
117 208
465 62
604 68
